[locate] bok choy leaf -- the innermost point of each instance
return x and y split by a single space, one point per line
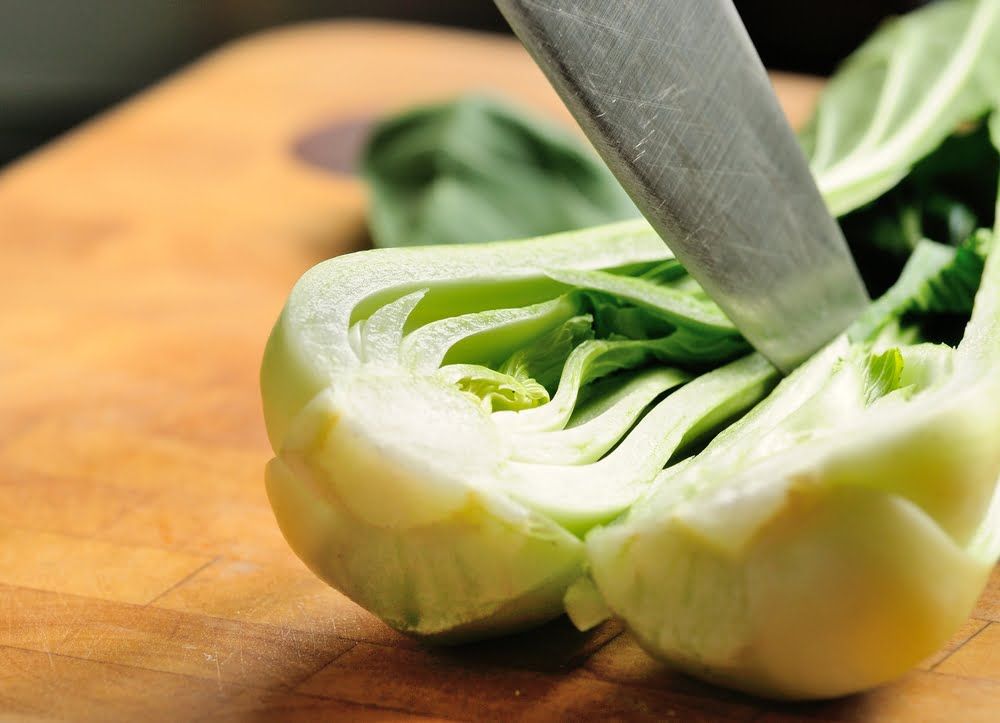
900 95
477 169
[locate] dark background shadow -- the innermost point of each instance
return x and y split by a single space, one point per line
61 61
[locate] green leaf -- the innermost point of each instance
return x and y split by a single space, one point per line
900 95
675 306
947 196
476 169
543 359
496 391
884 372
936 279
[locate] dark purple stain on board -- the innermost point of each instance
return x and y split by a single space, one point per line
335 147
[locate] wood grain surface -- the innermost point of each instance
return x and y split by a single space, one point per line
143 259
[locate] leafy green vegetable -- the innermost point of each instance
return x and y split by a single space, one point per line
476 169
474 439
438 455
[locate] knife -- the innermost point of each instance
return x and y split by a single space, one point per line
676 101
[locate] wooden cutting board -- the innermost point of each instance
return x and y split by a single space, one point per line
143 259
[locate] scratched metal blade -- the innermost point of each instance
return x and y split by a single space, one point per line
676 101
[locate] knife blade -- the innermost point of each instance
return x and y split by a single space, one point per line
676 101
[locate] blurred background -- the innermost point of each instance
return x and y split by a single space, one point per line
61 61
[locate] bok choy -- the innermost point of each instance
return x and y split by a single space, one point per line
471 440
430 463
838 533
